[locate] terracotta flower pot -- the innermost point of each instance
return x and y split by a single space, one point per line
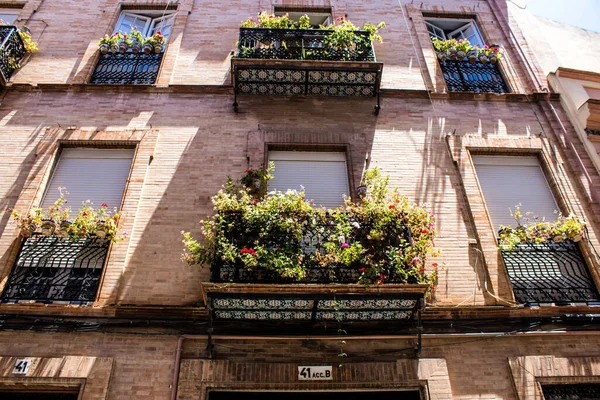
136 47
104 48
148 48
47 227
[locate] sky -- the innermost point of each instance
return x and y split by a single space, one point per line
582 13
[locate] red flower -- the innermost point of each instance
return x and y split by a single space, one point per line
104 205
246 250
363 269
424 231
84 214
248 170
495 49
382 276
434 265
391 207
158 33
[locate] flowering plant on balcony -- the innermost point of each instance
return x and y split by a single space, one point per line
380 236
30 45
570 228
57 221
255 180
133 41
462 48
342 38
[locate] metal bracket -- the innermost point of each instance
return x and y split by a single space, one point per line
419 344
210 348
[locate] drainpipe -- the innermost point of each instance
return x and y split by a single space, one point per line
175 381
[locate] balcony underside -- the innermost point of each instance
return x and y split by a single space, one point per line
313 303
306 78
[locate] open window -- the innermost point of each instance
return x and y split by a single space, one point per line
447 28
8 16
147 22
323 175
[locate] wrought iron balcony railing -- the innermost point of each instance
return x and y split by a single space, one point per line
462 76
127 69
313 240
300 44
549 273
54 269
12 51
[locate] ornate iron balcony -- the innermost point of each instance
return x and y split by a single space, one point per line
592 132
549 273
50 269
300 44
12 51
313 240
292 62
127 69
462 76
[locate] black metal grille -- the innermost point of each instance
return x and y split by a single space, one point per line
462 76
12 51
300 44
592 132
549 273
51 268
584 391
313 240
306 81
128 68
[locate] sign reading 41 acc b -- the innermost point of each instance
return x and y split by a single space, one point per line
315 373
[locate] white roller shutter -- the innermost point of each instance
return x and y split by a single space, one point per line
98 175
323 175
509 181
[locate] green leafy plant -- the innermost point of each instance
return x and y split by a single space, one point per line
462 47
57 221
570 228
255 180
382 235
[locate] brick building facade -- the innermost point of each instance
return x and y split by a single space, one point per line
148 333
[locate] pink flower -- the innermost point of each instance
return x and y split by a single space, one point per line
416 260
486 47
344 245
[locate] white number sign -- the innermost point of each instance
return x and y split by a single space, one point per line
320 373
21 366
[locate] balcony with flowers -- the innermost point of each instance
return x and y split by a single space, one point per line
61 256
14 45
129 58
468 68
545 263
288 258
279 56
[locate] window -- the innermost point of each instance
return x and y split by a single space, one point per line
317 16
8 15
147 22
445 29
98 175
323 175
507 181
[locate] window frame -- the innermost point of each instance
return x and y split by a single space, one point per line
326 148
10 11
152 18
452 34
549 182
62 146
